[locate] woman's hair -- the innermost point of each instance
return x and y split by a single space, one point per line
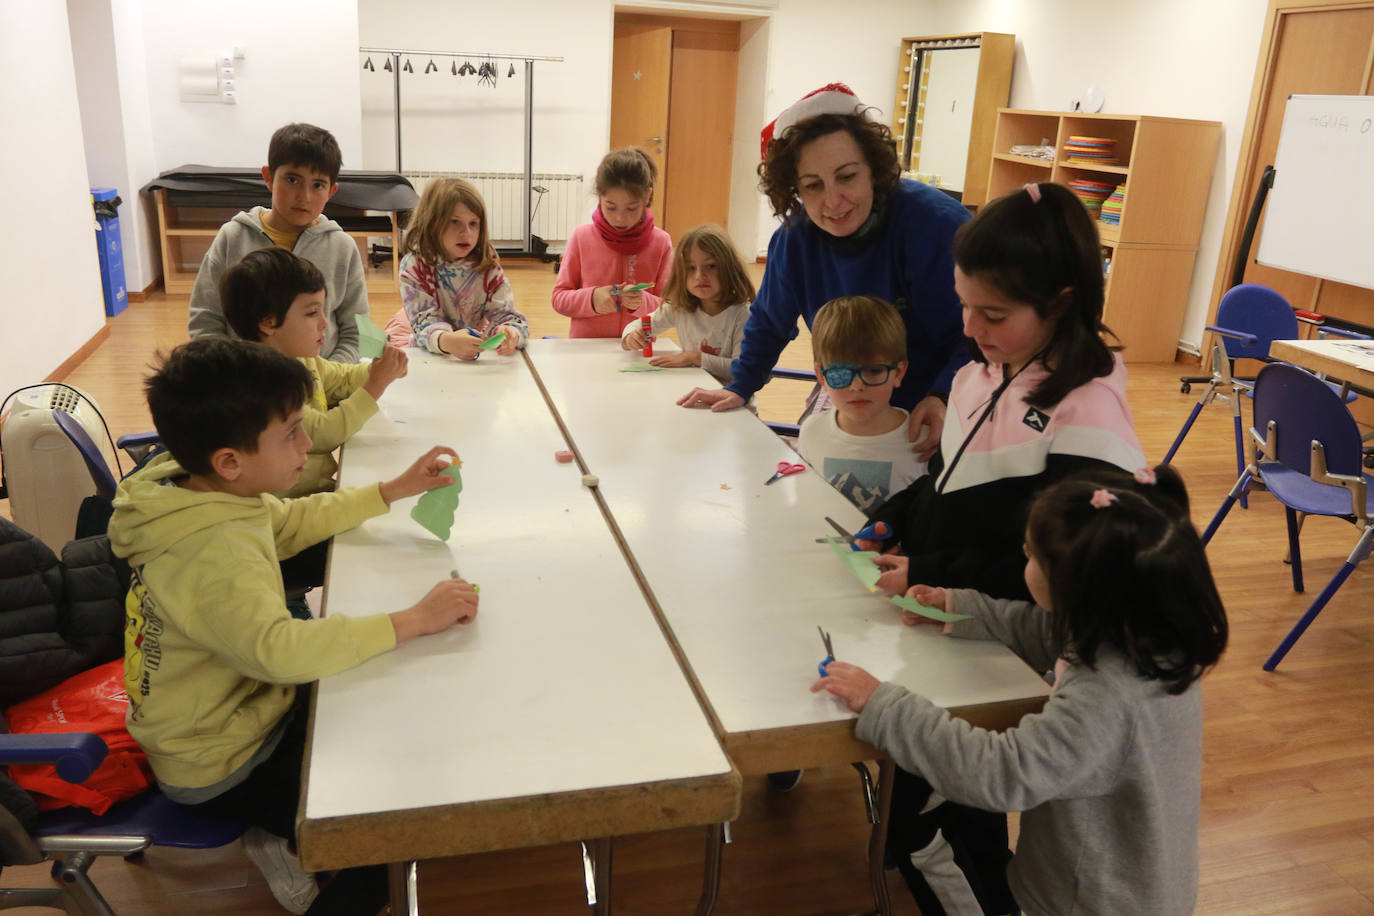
778 170
630 169
1041 249
424 237
858 329
1126 569
735 285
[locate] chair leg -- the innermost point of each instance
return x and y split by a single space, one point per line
1236 492
1187 425
1240 445
1357 555
1294 552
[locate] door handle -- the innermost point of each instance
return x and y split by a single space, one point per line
653 139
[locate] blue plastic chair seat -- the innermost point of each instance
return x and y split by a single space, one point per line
1298 491
150 814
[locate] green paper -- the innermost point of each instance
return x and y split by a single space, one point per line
636 288
642 366
859 562
371 339
491 343
916 607
436 507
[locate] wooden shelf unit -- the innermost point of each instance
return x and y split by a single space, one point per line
185 234
1166 165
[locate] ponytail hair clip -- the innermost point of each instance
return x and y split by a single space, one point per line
1102 498
1033 189
1145 476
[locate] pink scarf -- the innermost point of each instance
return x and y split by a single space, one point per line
630 241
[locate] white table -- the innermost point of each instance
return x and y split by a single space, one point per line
1345 360
735 571
559 714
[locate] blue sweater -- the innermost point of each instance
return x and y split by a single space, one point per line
908 261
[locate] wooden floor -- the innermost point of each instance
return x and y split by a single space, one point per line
1288 780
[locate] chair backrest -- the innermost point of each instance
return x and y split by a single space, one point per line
1257 310
1304 409
90 453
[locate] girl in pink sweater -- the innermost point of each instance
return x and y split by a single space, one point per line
619 248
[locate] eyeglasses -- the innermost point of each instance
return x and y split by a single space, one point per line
841 375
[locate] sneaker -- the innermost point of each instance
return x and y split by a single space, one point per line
784 781
293 888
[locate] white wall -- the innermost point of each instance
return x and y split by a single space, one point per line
50 300
1175 58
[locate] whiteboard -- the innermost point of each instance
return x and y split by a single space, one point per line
1319 216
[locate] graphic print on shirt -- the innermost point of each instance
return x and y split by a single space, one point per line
142 642
1036 419
863 482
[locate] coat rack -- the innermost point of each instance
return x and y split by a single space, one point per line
393 64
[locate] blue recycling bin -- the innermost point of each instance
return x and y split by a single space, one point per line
110 249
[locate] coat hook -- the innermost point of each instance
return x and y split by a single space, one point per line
511 72
454 68
387 66
430 68
408 68
367 65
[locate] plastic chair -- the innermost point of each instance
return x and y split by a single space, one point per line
800 375
1249 318
1308 456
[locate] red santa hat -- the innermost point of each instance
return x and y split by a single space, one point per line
833 98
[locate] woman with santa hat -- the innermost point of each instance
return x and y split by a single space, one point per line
851 225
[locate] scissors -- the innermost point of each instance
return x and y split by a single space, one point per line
867 533
785 469
829 652
453 574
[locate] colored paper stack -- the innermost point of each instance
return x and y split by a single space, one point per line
1112 206
1092 193
1091 150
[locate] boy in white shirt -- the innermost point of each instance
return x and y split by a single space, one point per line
861 446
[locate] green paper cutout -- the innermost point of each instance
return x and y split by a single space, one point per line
636 288
642 366
436 507
492 343
371 339
916 607
859 562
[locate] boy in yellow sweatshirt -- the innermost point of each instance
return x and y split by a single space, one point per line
212 656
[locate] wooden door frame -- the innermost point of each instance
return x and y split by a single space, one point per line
1248 166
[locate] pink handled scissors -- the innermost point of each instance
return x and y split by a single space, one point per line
785 469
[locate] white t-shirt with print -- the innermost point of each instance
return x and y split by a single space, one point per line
866 469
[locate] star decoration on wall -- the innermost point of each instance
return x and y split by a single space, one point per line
638 74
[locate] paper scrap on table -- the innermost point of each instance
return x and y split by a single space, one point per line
859 562
436 507
916 607
371 339
642 366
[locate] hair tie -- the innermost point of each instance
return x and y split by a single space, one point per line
1145 476
1033 189
1102 498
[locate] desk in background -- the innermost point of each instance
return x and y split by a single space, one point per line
1343 360
193 201
559 714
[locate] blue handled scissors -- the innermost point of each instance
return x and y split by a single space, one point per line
785 469
868 533
829 652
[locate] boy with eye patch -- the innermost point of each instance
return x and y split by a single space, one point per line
861 446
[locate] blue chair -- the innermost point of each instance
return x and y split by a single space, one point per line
799 375
1249 318
1308 455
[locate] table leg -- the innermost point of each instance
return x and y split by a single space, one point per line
405 900
710 879
877 840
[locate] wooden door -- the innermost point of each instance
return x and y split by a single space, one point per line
641 74
701 123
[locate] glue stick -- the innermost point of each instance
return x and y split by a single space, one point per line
646 326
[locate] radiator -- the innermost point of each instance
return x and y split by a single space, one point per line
561 208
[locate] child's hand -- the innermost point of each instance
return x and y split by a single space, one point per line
930 413
633 340
603 303
937 598
449 602
850 683
678 360
385 369
876 546
512 341
460 344
893 580
632 300
421 476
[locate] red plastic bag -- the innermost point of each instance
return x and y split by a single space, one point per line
92 701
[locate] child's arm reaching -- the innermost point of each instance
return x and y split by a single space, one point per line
501 315
663 319
385 369
570 297
448 602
